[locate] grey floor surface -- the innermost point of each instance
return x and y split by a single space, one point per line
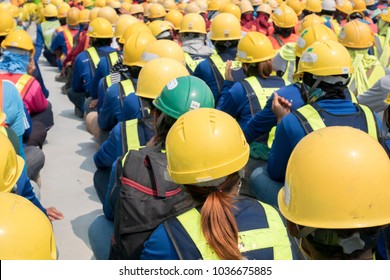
67 177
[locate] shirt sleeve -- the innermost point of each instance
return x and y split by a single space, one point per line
38 43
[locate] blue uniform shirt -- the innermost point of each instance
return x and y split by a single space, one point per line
235 102
82 76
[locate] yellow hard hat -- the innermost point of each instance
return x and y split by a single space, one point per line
108 13
344 6
159 26
349 190
18 39
134 28
202 6
163 48
115 4
296 5
84 16
312 34
136 9
72 17
135 46
385 15
193 23
87 3
11 165
100 28
94 13
192 8
245 6
314 6
356 34
284 16
26 233
231 9
225 27
100 3
265 8
254 47
181 7
7 23
213 5
214 146
50 11
127 6
175 17
169 5
14 11
161 71
358 5
122 23
325 58
156 11
309 20
63 9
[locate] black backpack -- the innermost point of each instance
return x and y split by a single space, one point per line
146 198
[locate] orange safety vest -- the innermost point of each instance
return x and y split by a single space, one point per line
21 81
68 39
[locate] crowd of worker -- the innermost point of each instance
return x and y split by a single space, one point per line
226 129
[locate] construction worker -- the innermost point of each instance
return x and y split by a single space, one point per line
325 68
284 19
264 12
137 11
358 38
328 14
174 17
225 34
45 31
147 129
382 39
330 221
214 182
16 179
311 7
62 41
62 9
243 99
358 9
247 19
192 36
156 12
27 233
7 24
100 33
343 9
162 29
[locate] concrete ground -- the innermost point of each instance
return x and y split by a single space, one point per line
67 177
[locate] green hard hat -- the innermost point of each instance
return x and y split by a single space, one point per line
183 94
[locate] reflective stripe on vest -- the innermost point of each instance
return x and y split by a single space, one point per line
262 94
108 81
127 87
93 58
372 77
48 28
68 39
112 58
221 65
316 122
23 84
249 240
191 63
132 138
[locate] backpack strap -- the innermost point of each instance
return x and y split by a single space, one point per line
277 38
254 104
173 239
219 77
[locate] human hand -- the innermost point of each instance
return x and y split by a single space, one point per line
228 71
54 214
93 103
280 106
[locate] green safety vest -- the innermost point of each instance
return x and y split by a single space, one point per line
48 28
191 63
315 121
371 75
287 53
221 65
275 236
378 50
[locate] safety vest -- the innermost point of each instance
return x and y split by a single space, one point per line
372 75
257 95
379 45
267 239
21 81
68 37
285 56
126 87
94 58
313 117
192 63
218 67
48 28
